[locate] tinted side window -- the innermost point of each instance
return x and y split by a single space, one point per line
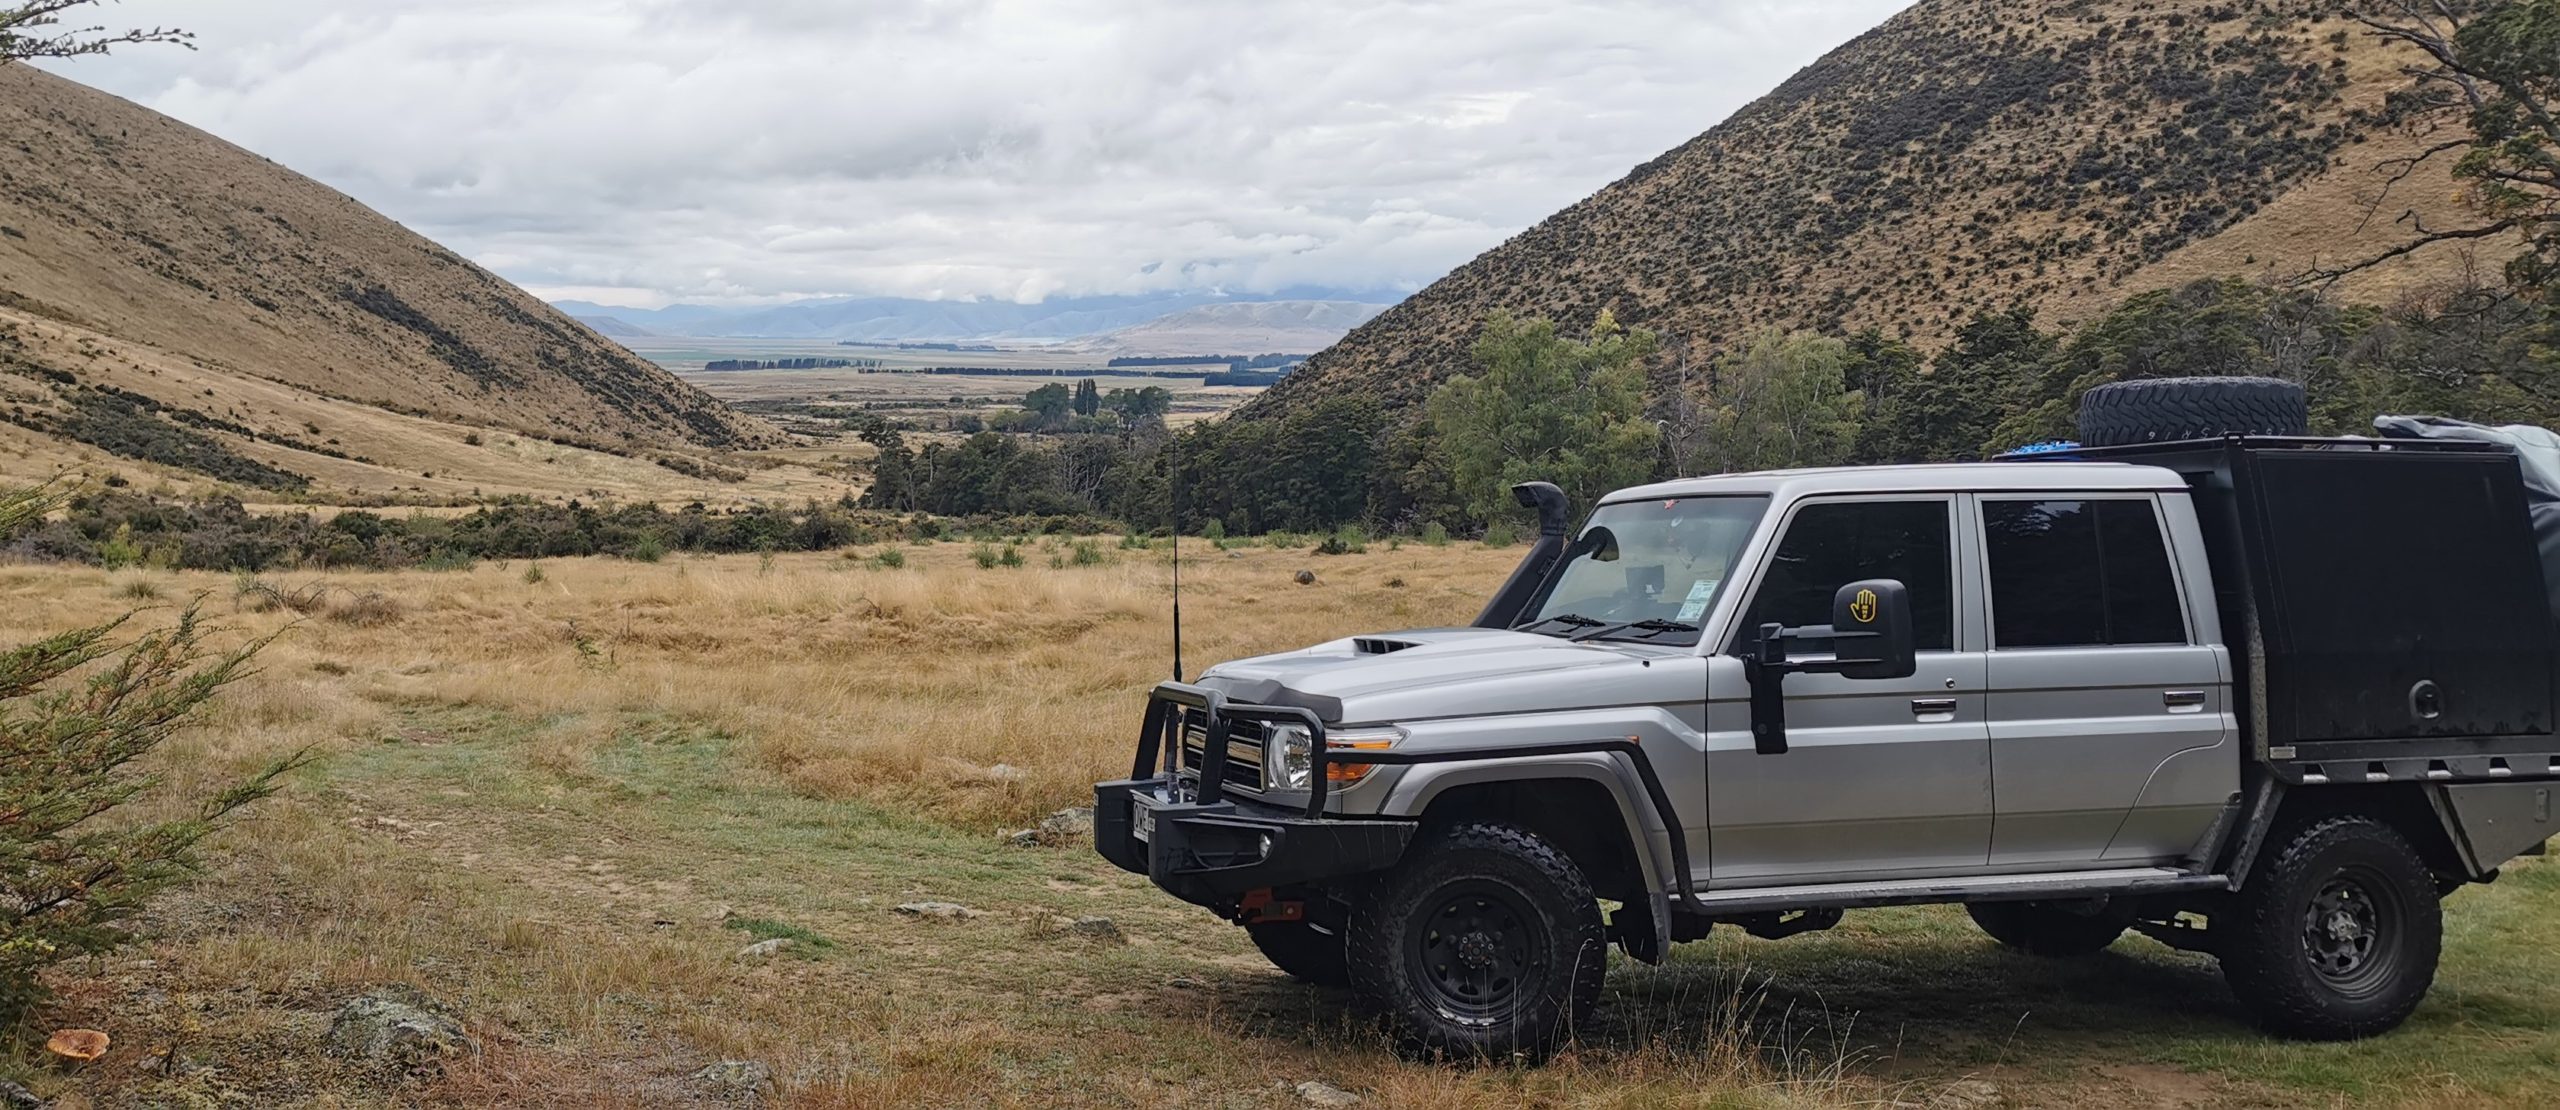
1828 546
2079 573
2142 592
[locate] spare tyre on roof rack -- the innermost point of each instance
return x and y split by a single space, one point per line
2162 410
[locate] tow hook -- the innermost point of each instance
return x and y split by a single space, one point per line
1260 908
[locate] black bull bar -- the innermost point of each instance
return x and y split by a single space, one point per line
1159 759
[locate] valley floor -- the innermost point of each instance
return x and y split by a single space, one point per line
563 800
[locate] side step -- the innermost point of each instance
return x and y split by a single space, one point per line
1985 888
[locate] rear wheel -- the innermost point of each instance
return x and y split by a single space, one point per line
1486 943
2336 936
1305 952
2046 929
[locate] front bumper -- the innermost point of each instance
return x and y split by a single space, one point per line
1211 853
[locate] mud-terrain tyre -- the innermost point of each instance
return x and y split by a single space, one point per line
1307 954
2159 410
2335 935
1485 942
2041 929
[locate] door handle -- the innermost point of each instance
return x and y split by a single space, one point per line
1924 707
2182 700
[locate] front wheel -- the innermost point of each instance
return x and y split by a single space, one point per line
2336 936
1304 952
1488 942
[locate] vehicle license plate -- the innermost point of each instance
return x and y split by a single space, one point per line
1142 818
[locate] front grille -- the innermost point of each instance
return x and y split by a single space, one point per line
1244 748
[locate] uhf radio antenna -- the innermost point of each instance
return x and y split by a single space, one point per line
1173 445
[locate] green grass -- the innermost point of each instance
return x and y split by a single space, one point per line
659 841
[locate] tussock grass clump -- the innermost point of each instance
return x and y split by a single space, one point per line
371 609
258 595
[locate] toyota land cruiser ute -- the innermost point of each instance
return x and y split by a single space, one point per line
2267 698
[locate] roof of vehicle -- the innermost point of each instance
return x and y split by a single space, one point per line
2001 477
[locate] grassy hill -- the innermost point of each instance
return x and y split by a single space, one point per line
177 308
1967 155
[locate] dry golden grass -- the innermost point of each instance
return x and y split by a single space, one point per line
553 796
966 695
565 800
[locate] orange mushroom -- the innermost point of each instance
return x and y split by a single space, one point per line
77 1044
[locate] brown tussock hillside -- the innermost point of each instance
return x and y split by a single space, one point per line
1968 156
130 240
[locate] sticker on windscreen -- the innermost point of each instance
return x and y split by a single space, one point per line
1699 593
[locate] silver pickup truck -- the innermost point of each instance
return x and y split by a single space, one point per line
2265 698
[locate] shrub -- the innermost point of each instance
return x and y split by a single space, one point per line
1435 534
72 875
1500 534
448 559
533 574
1215 533
985 556
1350 539
139 589
889 559
1087 553
1012 556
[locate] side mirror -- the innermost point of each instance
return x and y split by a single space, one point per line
1869 636
1871 630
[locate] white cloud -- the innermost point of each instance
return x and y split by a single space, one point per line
645 151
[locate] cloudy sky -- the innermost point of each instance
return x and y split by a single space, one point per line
642 152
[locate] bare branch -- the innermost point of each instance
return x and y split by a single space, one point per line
2330 276
31 29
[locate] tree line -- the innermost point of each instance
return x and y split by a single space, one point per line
1607 410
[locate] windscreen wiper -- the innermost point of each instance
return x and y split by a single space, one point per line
1651 627
1570 620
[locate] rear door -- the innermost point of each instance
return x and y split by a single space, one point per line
1881 777
2098 685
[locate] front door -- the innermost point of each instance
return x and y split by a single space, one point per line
1881 777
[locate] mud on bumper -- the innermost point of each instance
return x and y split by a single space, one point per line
1212 853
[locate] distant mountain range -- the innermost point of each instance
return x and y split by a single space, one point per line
1263 327
896 319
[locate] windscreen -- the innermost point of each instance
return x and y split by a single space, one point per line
1647 571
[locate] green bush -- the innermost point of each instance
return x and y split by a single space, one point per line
985 556
1500 534
1435 534
649 549
1087 553
1012 556
73 874
889 559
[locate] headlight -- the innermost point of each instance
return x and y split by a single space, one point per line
1288 760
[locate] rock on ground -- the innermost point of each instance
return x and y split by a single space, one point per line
15 1097
1064 826
1100 930
735 1077
398 1026
1316 1092
941 911
765 949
